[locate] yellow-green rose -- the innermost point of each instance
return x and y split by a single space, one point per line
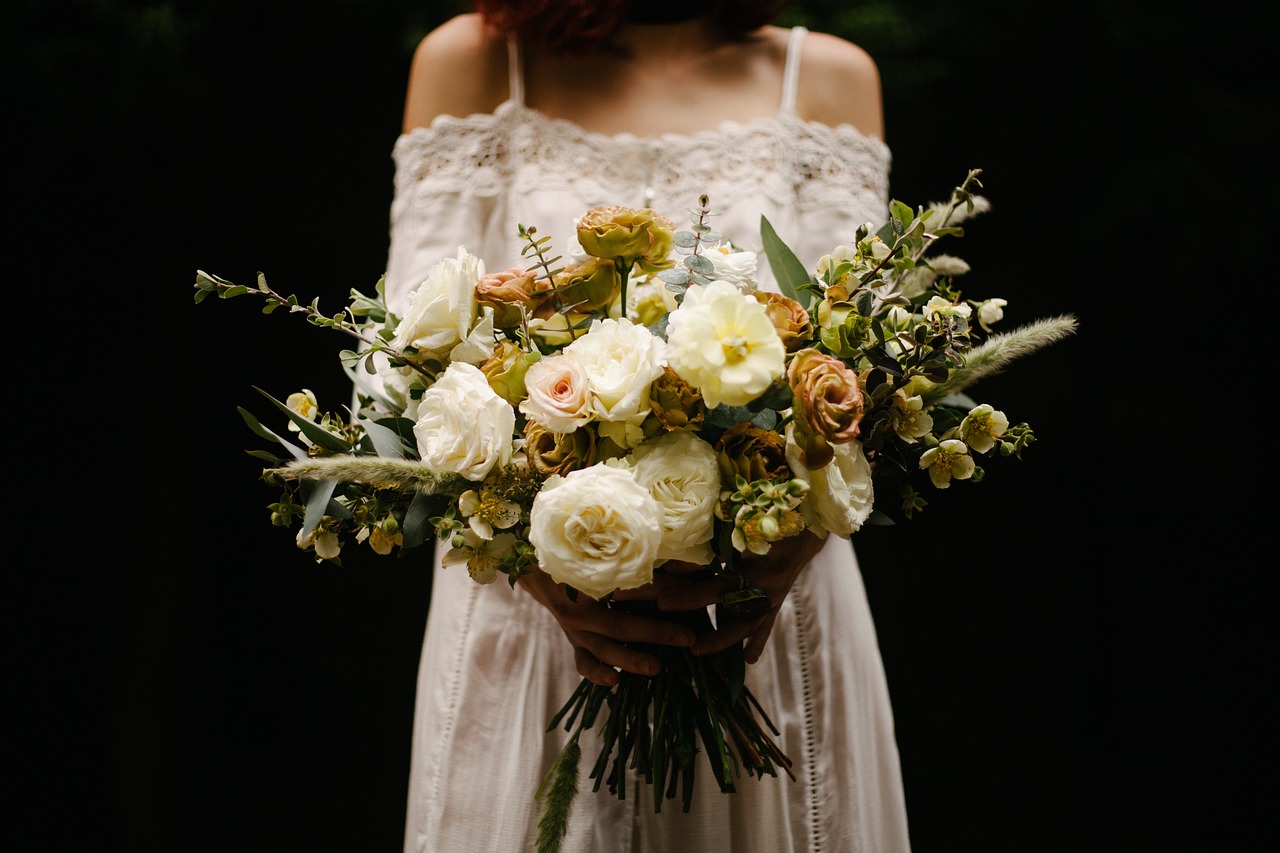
593 285
506 368
629 235
558 452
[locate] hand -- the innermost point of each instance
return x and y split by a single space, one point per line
774 573
600 636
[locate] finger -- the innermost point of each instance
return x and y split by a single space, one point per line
598 652
757 638
694 596
622 627
728 633
590 668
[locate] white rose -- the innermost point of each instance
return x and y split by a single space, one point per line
680 471
840 495
722 342
621 360
559 393
596 530
463 426
443 308
737 268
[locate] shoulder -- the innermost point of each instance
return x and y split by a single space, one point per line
458 69
839 84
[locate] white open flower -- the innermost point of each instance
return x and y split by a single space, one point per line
680 471
482 556
990 312
596 529
443 308
841 494
950 459
463 426
621 360
722 342
559 393
946 308
982 427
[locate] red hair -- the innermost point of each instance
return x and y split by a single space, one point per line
576 25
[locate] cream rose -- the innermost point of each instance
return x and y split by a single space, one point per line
596 529
463 426
737 268
443 309
723 343
621 360
841 495
558 393
681 473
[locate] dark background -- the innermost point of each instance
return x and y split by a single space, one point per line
1074 648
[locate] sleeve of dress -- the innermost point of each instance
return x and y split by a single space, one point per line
449 182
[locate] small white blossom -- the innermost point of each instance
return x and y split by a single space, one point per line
982 427
949 460
990 312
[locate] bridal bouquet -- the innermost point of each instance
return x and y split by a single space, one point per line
638 401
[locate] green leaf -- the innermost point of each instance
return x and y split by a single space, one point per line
318 493
416 528
790 274
294 450
311 430
386 442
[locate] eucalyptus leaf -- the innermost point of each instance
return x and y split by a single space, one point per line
254 424
317 493
310 429
790 274
416 528
387 442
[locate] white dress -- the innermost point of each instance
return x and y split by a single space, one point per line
495 664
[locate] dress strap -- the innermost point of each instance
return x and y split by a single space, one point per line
791 71
515 71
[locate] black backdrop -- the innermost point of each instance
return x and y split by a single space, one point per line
1068 646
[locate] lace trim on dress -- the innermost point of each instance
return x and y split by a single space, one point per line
517 148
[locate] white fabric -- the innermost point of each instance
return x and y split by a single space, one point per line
495 664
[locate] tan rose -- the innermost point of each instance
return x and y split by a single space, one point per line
558 452
590 286
788 317
676 404
633 236
512 294
827 404
752 452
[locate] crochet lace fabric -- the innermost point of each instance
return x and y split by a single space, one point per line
517 149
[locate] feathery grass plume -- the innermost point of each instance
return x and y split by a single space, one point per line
372 470
553 823
960 214
998 351
921 278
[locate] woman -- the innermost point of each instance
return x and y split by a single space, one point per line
531 113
